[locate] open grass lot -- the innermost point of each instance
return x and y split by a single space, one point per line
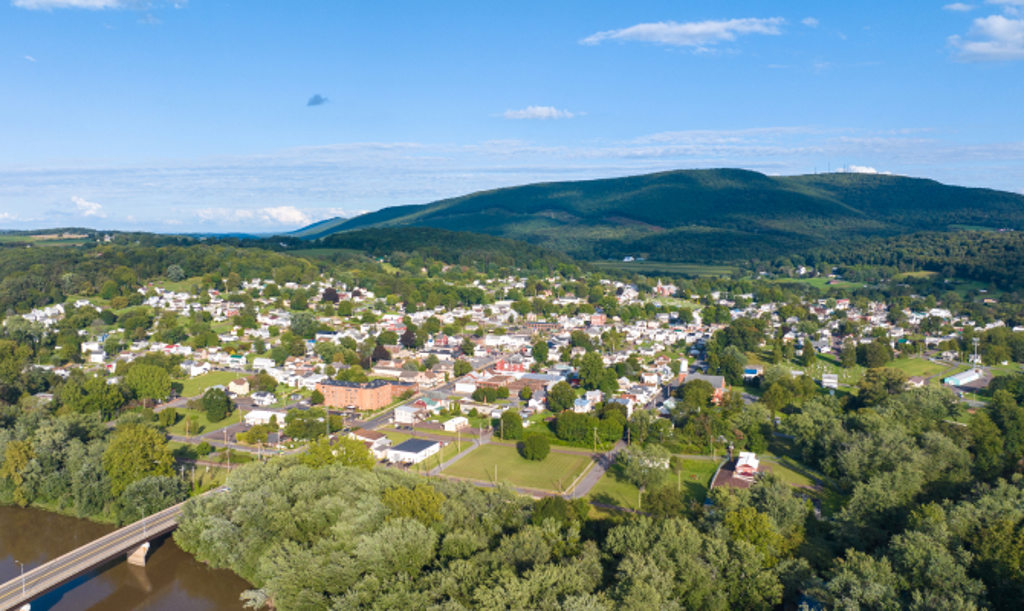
691 476
820 283
918 275
664 267
201 424
917 366
196 386
556 472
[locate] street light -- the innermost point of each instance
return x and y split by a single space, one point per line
22 565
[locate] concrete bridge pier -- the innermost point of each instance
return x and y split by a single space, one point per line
138 557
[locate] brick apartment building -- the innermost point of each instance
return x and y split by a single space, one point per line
365 396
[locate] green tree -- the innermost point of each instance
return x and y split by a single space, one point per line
467 347
216 404
135 451
643 466
511 425
540 351
17 456
422 503
561 397
534 447
344 451
461 368
986 445
148 381
150 495
592 371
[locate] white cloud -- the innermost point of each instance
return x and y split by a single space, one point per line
274 215
539 112
87 208
7 216
286 215
863 169
30 58
993 38
35 5
690 34
959 7
810 22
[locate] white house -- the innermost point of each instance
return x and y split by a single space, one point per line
262 416
830 380
456 423
407 414
263 398
413 451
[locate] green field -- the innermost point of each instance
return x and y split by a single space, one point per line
917 367
193 387
820 283
201 424
691 476
918 275
556 472
664 267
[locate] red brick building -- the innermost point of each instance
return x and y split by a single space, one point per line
365 396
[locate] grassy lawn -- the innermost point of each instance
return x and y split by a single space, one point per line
820 283
556 472
690 476
201 424
917 367
785 473
905 275
198 385
447 452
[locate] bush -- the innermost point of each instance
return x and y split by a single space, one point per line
535 447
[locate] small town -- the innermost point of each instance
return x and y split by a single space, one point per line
257 370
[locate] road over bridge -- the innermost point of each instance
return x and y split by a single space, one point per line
132 539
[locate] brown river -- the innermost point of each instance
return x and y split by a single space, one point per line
171 580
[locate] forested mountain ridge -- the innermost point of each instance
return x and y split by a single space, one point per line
704 215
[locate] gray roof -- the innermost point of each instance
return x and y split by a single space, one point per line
414 446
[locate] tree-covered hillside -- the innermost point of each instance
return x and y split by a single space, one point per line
705 215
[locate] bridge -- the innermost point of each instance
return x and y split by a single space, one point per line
132 540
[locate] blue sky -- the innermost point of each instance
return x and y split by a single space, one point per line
259 115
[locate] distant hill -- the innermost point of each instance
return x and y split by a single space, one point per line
447 246
703 215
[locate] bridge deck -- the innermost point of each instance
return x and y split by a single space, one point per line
45 577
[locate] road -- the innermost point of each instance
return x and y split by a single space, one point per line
47 576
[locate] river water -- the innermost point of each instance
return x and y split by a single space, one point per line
171 580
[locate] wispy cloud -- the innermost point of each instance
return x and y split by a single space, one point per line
958 7
275 215
992 38
810 22
46 5
245 193
87 208
95 5
689 34
539 112
317 100
30 59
